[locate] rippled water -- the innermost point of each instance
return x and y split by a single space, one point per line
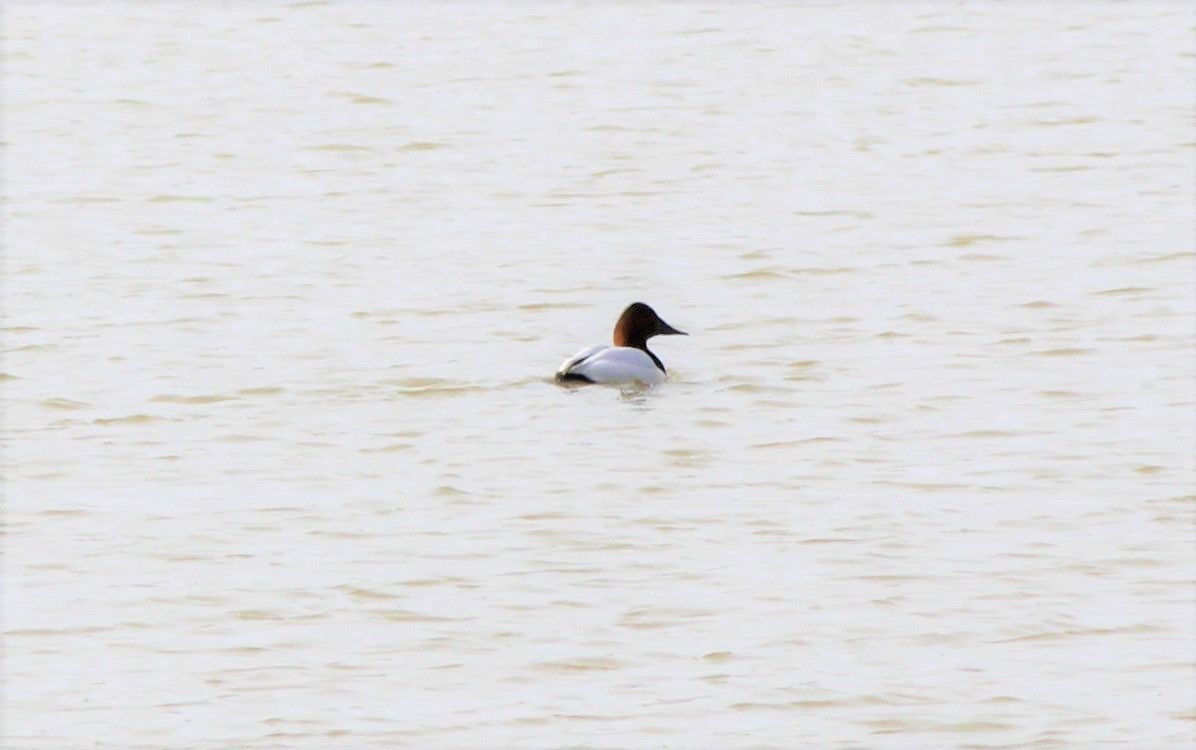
285 284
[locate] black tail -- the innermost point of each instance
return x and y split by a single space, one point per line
571 377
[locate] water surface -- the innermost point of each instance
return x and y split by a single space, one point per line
285 284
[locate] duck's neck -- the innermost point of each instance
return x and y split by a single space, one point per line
653 356
641 343
623 337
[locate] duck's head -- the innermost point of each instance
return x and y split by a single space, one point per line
638 323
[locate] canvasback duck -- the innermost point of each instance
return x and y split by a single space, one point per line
629 360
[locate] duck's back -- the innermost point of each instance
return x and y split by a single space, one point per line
611 364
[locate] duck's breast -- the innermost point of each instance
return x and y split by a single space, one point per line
614 364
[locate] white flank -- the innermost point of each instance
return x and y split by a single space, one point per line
613 364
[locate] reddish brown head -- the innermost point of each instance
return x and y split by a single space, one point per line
638 323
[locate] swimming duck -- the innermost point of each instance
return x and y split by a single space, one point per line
629 360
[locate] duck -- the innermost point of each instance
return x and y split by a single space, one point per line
629 361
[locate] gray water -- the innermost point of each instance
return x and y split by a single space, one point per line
285 285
